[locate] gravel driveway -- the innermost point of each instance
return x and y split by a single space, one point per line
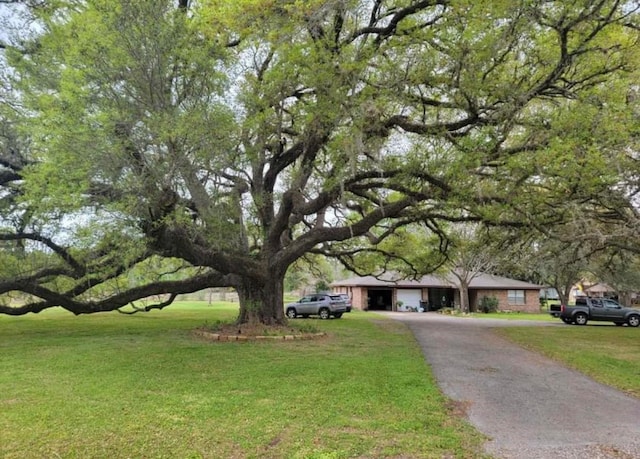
530 406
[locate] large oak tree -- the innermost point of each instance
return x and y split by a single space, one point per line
175 146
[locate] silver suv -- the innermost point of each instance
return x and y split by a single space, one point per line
321 304
347 300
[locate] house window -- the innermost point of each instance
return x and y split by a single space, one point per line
515 297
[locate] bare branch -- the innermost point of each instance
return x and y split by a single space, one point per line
162 305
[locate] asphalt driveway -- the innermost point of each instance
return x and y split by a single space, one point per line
530 406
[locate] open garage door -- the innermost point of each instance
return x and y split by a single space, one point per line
380 299
410 298
440 298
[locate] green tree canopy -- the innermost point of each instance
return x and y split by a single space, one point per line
229 139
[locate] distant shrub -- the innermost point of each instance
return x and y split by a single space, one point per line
488 304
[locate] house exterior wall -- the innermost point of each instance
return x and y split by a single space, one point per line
341 290
359 298
532 300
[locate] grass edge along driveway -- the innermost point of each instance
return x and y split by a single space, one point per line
110 385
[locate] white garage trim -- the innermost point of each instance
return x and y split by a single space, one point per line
410 298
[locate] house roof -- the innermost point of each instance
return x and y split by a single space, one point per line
482 281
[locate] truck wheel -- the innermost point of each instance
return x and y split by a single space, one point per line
291 313
633 320
324 313
567 321
580 318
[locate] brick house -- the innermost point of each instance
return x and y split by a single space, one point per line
435 292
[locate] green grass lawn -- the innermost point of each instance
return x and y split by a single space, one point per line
143 386
607 353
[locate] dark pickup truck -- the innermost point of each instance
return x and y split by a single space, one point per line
599 309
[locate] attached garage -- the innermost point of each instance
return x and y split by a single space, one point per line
410 298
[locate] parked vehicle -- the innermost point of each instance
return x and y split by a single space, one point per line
347 299
599 309
324 305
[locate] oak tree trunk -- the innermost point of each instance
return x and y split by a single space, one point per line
464 297
261 300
